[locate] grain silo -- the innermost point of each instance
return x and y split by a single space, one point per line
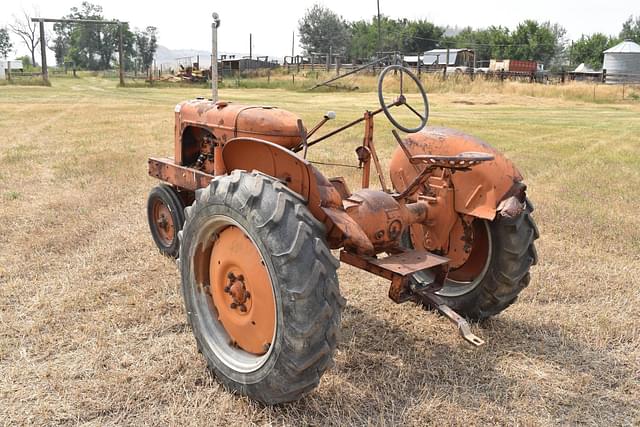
622 63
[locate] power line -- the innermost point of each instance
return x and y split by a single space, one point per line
480 44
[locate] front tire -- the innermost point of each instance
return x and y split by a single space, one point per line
165 214
301 276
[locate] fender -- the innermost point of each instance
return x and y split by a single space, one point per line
300 176
479 191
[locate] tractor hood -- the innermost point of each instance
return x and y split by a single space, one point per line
229 120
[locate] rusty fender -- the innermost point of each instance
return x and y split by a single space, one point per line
479 191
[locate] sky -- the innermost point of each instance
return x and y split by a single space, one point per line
187 24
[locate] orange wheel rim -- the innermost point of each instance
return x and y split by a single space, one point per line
164 222
242 291
477 260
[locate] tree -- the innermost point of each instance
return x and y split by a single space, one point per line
536 41
26 62
364 39
589 49
420 36
489 43
631 29
91 46
321 29
396 35
5 43
146 45
28 32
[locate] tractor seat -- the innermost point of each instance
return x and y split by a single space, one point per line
463 160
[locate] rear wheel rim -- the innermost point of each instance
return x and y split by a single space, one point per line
242 340
468 276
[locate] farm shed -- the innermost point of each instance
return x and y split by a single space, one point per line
4 65
243 64
584 73
622 63
457 57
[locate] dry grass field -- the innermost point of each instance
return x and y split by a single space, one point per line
92 329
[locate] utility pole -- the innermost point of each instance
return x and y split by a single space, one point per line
446 65
43 52
121 56
379 35
214 56
293 43
250 51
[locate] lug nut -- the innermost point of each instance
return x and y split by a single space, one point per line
233 305
243 309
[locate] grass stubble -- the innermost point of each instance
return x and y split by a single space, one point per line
92 329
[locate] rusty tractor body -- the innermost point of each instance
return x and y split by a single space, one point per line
450 228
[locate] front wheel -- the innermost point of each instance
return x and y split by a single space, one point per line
260 287
497 269
166 218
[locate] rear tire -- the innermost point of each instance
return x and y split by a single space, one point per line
507 271
302 273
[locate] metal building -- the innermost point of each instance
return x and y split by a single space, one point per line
622 63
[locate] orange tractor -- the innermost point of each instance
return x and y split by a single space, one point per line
253 224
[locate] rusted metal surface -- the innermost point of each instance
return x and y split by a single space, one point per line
241 291
236 120
477 191
196 118
183 177
164 222
399 267
456 192
271 159
382 218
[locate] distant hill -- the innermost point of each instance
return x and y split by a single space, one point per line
166 56
169 57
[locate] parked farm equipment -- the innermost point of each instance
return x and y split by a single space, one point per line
253 222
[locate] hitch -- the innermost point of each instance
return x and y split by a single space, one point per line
463 326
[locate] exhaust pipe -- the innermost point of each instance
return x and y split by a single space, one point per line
214 56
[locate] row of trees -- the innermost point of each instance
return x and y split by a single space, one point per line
322 29
90 46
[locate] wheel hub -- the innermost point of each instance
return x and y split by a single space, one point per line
238 291
242 292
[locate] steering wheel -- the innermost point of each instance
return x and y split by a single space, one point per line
402 100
